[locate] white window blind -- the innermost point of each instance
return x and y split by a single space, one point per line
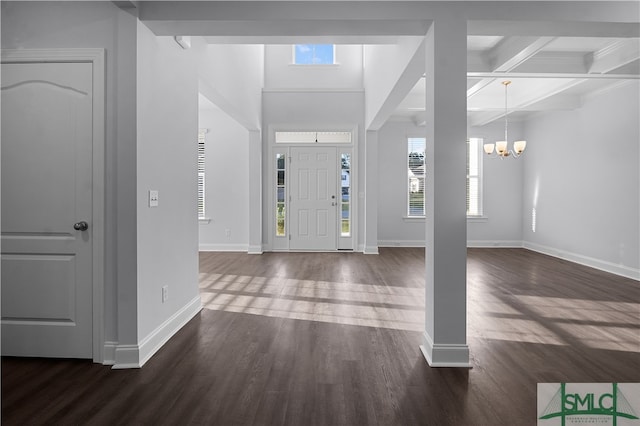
474 177
201 180
415 176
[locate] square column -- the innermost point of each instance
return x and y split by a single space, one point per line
445 336
371 193
255 192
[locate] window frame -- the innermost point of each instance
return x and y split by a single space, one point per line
408 192
201 170
479 175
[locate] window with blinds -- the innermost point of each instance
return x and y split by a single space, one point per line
474 177
201 158
415 176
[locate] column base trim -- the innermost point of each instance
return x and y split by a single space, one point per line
449 355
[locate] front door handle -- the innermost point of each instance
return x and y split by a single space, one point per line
81 226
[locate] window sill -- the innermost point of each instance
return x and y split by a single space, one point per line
472 219
477 219
204 220
315 65
413 219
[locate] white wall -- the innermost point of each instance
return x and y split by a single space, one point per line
390 70
502 225
226 181
502 191
232 76
581 176
280 72
35 25
393 227
167 155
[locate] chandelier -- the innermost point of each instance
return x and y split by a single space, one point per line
501 147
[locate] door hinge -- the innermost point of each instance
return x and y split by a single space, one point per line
289 237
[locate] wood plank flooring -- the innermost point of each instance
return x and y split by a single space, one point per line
332 339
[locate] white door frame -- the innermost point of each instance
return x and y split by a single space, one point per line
269 198
97 58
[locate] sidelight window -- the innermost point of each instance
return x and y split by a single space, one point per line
280 195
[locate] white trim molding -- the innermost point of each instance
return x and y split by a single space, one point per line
109 353
224 247
494 243
135 356
255 249
449 355
401 243
370 250
602 265
126 356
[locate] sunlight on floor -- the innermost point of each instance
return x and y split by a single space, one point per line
398 308
597 324
517 318
562 321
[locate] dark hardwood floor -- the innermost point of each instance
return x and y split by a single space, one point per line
333 339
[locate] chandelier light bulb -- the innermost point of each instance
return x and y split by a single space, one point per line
501 147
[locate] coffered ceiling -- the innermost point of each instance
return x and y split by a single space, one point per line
555 53
547 73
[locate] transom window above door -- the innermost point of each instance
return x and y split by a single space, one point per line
313 137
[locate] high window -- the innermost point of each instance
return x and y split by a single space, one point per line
201 193
474 177
314 54
415 176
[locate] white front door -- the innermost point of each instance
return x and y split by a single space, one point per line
46 202
314 201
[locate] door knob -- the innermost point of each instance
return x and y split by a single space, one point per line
81 226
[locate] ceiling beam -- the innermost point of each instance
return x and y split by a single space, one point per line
586 76
345 39
614 56
553 28
525 101
513 51
507 55
297 28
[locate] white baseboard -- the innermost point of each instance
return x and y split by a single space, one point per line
370 250
109 353
602 265
126 356
494 243
470 243
255 249
223 247
449 355
401 243
135 356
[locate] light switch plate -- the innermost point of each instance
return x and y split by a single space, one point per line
153 198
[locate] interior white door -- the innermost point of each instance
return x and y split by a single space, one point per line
314 202
46 204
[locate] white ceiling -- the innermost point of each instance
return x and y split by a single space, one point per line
555 55
547 73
